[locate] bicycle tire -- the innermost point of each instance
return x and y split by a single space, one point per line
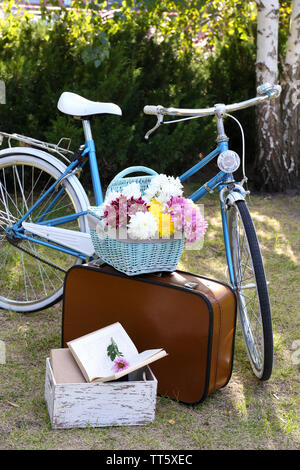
50 284
255 318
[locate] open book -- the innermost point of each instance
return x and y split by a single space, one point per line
109 354
64 367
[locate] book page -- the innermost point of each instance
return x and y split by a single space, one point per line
90 350
138 361
143 357
141 360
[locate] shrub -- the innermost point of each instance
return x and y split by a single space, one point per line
39 62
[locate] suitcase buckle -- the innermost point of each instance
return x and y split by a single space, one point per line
191 285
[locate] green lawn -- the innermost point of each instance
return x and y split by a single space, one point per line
246 414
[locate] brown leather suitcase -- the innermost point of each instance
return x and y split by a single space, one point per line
192 317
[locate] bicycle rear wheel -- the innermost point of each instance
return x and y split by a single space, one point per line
251 289
32 275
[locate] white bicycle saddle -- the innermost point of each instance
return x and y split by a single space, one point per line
76 105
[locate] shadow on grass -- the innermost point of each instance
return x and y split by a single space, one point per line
246 414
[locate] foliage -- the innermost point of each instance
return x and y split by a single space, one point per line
38 62
146 52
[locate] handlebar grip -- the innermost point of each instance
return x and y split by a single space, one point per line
268 89
150 109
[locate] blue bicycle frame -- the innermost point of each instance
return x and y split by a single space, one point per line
219 181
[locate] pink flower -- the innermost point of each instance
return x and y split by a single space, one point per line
120 364
187 217
119 211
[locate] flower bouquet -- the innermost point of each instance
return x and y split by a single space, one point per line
141 231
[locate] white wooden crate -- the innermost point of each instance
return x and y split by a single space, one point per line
101 404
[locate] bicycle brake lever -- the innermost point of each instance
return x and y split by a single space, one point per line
160 119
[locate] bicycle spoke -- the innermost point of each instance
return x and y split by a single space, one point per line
31 280
34 251
24 273
33 185
45 203
252 332
22 191
59 208
19 213
247 265
4 179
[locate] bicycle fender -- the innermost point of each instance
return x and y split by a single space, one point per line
58 164
231 198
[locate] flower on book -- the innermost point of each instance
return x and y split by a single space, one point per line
120 364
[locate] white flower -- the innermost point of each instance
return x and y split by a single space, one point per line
111 196
101 229
162 188
129 191
132 190
142 226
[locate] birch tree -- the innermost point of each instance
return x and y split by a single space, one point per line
290 82
278 121
268 160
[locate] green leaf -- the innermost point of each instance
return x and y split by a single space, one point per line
113 350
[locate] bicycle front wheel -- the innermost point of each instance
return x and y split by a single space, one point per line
32 275
251 289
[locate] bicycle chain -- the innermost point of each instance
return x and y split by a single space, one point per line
35 256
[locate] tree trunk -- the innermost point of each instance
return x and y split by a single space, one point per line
291 99
269 166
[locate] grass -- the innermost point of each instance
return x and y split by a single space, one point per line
246 414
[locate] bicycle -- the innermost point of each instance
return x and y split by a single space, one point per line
244 260
44 227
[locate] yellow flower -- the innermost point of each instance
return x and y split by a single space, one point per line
164 221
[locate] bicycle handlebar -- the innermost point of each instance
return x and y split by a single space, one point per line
265 91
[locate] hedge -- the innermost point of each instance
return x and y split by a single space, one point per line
38 63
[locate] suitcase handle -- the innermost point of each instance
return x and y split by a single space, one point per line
134 169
